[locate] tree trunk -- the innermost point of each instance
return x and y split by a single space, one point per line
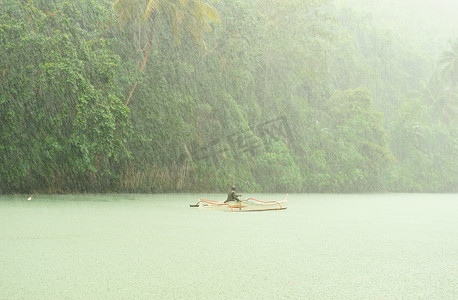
449 101
140 68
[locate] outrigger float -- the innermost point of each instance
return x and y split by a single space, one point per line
249 204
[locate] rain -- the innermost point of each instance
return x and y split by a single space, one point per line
336 119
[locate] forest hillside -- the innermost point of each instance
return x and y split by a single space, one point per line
191 96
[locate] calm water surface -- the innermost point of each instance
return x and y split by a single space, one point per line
392 246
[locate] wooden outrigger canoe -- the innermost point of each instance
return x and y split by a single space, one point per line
249 204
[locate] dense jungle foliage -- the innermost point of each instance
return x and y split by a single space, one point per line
273 96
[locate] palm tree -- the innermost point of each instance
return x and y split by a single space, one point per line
449 61
434 93
191 16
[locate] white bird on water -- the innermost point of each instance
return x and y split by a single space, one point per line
30 198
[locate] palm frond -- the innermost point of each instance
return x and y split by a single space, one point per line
205 11
177 21
449 63
151 7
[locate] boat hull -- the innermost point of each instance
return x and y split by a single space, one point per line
249 204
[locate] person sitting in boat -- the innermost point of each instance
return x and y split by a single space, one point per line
232 196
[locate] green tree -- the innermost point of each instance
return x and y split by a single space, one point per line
449 63
63 124
190 16
359 151
276 169
425 152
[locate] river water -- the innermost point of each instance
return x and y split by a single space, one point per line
377 246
